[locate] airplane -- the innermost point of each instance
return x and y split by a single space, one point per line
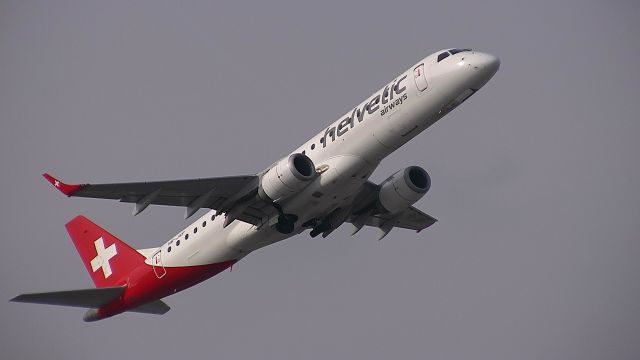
319 186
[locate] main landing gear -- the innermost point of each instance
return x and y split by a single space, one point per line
317 226
286 222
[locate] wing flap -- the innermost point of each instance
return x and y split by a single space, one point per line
367 214
411 218
83 298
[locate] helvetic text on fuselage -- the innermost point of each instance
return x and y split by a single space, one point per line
383 101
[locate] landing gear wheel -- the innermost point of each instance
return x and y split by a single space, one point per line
286 222
285 227
320 228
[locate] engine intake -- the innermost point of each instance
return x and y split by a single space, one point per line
404 188
286 177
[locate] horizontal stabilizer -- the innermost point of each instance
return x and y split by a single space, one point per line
155 307
84 298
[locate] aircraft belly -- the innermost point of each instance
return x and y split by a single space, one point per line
207 246
334 188
344 176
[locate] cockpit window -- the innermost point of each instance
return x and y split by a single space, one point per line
455 51
443 56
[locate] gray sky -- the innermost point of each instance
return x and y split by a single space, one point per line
535 179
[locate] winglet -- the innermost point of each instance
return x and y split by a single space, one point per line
67 189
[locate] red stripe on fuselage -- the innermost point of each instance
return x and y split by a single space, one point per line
143 285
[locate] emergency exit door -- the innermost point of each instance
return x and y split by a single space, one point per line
420 78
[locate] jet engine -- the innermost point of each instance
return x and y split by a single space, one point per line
286 177
404 188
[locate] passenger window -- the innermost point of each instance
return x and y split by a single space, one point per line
443 56
204 223
195 230
186 236
178 243
169 249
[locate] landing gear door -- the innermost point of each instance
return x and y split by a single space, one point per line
156 262
420 78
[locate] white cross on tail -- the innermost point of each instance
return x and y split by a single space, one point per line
103 256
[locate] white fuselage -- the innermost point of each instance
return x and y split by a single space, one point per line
345 153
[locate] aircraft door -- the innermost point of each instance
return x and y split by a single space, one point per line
158 267
419 77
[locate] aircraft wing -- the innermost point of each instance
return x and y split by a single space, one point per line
222 194
366 213
411 218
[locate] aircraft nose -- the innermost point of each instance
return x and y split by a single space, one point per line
486 63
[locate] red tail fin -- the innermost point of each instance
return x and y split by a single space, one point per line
107 259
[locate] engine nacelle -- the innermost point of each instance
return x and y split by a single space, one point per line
286 177
404 188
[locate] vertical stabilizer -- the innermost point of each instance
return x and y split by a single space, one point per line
108 260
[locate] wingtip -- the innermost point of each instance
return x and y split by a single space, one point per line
77 218
67 189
